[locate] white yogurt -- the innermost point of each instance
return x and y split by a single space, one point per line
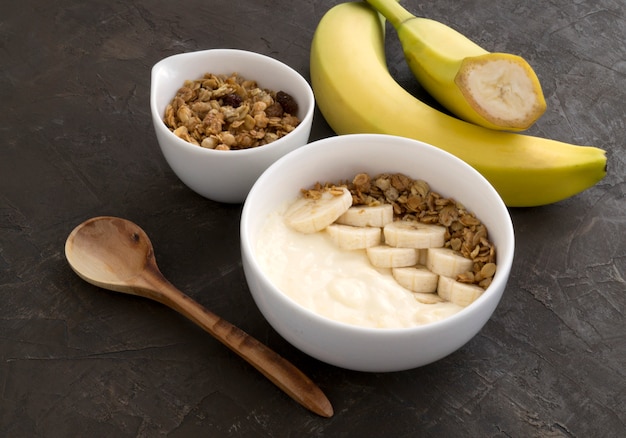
338 284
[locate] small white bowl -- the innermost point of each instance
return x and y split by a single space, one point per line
340 158
226 176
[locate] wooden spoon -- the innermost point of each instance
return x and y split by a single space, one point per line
116 254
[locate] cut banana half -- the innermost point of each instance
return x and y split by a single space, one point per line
461 294
493 90
410 234
447 262
310 215
502 88
367 216
351 238
384 256
416 279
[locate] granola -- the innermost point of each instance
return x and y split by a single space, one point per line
227 112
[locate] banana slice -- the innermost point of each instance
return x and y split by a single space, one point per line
447 262
349 237
309 215
462 294
416 279
410 234
367 216
384 256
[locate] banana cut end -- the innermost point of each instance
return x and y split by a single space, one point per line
502 89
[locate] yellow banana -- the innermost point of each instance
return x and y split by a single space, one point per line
494 90
356 94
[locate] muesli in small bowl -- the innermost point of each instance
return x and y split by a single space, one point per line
381 254
222 116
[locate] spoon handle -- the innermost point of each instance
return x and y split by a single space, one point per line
273 366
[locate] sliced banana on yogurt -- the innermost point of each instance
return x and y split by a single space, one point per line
411 234
367 215
312 214
416 278
350 237
385 256
461 294
414 252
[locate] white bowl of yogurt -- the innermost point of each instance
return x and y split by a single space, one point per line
325 302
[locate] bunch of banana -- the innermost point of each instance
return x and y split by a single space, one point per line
494 90
356 94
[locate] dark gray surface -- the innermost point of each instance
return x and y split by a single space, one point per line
76 141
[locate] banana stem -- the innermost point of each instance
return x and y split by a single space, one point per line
392 11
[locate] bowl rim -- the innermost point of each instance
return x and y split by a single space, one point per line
155 79
500 280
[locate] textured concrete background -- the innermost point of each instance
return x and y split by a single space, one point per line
76 141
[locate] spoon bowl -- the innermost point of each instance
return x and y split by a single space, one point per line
116 254
109 253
